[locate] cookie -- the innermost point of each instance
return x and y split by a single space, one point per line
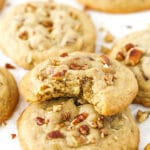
117 6
60 124
94 78
38 30
8 95
134 52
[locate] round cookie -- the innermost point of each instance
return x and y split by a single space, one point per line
134 51
8 95
94 78
117 6
38 30
60 124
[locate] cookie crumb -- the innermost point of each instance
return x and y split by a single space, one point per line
9 66
13 136
109 38
129 26
141 116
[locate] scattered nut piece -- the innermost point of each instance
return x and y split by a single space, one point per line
104 59
79 118
84 129
134 57
64 55
142 115
108 37
55 134
39 121
147 147
9 66
129 46
120 56
13 136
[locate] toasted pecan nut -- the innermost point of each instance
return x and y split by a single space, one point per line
129 46
46 24
120 56
64 55
55 135
104 59
59 75
77 67
134 57
65 116
84 129
39 121
79 118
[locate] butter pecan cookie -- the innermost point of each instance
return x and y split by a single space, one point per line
60 124
37 30
117 6
134 52
8 95
94 78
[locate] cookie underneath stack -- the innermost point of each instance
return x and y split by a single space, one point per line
79 101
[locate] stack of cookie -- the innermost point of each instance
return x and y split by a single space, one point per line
78 100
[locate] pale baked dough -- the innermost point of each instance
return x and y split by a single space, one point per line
34 31
55 125
106 84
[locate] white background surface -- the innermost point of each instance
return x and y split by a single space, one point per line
117 25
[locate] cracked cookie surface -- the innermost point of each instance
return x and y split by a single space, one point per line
134 52
92 77
60 124
8 95
117 6
37 30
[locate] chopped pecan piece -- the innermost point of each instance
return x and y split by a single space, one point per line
9 66
129 46
46 24
120 56
142 116
65 116
134 57
79 118
59 75
77 67
23 35
104 59
84 129
64 55
55 135
39 121
13 136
